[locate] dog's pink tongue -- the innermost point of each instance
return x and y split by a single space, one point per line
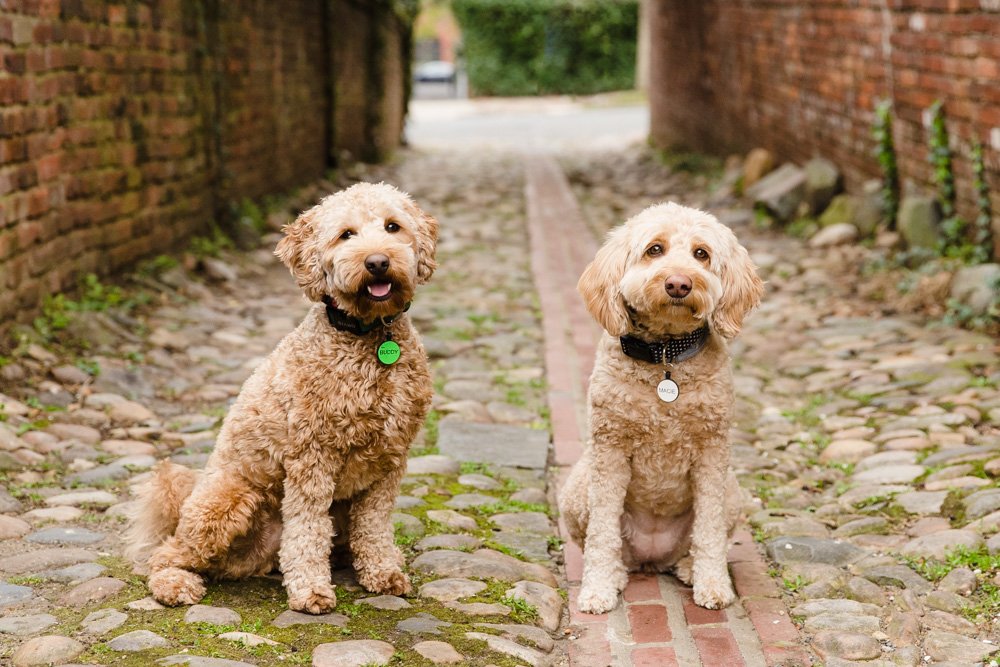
378 290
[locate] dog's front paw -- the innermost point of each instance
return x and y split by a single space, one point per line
714 592
173 586
385 582
317 601
597 599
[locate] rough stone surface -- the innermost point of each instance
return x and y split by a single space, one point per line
822 183
83 498
918 221
781 191
47 650
440 653
422 623
75 536
94 590
545 599
74 574
811 549
518 632
944 646
448 542
451 588
834 606
921 502
431 464
494 443
353 653
389 602
470 500
286 619
847 645
43 559
481 482
247 639
758 163
527 522
137 640
531 656
26 625
11 527
103 621
453 519
938 545
199 661
976 286
836 234
890 474
849 451
201 613
483 563
14 593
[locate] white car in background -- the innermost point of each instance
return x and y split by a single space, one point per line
434 71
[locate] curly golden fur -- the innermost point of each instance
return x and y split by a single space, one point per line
316 442
654 490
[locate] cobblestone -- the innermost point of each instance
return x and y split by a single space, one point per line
867 440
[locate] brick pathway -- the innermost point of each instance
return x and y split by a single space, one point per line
658 623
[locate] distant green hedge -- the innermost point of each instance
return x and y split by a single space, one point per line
530 47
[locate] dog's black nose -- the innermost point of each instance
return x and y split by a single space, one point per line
678 286
377 264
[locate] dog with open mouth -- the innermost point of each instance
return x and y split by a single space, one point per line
653 490
312 453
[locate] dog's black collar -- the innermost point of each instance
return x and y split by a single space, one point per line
671 350
341 321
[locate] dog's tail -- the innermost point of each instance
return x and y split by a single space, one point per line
157 510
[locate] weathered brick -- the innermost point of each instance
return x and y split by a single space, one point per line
717 646
806 83
654 656
648 623
107 117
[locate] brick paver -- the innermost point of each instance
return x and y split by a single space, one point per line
657 622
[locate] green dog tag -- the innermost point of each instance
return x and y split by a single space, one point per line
388 352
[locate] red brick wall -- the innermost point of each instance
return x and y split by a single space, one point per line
126 127
803 78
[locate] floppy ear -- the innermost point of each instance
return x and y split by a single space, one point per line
298 252
742 290
599 285
426 240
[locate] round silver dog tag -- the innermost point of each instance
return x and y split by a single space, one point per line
668 391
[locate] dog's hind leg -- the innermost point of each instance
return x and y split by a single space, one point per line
682 570
220 508
377 560
157 510
573 500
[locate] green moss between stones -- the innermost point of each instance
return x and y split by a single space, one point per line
261 599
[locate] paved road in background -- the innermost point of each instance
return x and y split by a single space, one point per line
529 124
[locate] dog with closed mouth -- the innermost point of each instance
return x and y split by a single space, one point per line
653 490
312 453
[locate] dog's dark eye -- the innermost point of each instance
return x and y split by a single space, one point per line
391 227
655 250
346 234
700 254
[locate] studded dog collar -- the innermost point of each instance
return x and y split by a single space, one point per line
671 350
